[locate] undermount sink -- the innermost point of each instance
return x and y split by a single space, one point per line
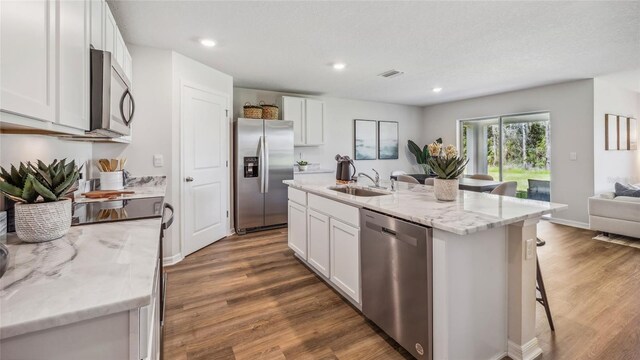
357 191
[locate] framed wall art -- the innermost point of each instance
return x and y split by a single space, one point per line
364 139
388 140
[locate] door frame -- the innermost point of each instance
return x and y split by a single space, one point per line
189 84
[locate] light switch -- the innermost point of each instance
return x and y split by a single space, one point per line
573 156
530 249
158 160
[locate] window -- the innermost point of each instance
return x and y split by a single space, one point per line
511 148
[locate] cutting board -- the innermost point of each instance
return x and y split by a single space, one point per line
99 194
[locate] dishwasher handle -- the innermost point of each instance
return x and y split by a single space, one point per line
388 231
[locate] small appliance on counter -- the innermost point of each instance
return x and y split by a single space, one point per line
343 170
116 210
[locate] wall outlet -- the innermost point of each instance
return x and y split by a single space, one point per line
158 160
530 248
573 156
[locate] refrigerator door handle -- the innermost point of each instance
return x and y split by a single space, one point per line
261 164
266 165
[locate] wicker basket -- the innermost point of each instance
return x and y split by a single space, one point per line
269 112
252 111
44 221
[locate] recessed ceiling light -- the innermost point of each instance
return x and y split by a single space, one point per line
207 42
437 89
339 66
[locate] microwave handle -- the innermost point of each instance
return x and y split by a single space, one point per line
133 107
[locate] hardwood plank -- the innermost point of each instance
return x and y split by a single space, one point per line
247 297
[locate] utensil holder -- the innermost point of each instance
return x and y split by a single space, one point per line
112 180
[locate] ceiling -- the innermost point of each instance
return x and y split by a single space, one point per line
468 48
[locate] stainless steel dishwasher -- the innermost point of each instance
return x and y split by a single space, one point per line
396 258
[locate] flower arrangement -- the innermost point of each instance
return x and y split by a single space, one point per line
446 164
422 154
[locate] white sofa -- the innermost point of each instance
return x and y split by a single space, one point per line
615 214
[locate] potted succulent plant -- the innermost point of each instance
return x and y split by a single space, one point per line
448 166
302 165
42 211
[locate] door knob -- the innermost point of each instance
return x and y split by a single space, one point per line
189 179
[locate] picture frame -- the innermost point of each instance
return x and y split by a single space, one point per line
365 141
610 132
633 133
388 142
623 133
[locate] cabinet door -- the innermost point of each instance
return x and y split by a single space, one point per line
73 65
119 52
110 30
293 109
27 69
345 258
128 65
97 23
298 229
314 122
318 243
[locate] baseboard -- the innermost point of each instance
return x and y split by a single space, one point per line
576 224
529 351
172 260
500 356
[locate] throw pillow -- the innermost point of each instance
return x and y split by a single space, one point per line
627 190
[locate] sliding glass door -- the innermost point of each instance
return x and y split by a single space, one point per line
511 148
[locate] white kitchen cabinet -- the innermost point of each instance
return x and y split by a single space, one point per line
314 122
345 258
128 65
74 33
120 46
297 238
98 16
110 31
318 241
308 119
28 48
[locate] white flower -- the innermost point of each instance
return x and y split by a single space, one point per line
450 152
435 149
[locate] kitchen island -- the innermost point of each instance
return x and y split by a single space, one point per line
482 260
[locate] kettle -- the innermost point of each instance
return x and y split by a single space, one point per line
343 169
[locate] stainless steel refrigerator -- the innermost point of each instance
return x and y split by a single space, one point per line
263 159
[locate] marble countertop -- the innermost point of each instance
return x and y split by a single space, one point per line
471 212
144 187
313 171
94 270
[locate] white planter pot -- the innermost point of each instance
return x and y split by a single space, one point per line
42 222
302 167
111 180
445 189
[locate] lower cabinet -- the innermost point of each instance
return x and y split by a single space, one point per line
318 241
345 258
324 233
297 238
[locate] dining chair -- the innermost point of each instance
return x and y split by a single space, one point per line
428 181
407 179
506 189
481 177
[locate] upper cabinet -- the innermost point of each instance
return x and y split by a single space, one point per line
45 67
308 119
27 69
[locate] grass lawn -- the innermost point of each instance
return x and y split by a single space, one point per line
520 175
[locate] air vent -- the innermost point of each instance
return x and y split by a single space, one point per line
391 74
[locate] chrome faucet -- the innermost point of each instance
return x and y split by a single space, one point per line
376 181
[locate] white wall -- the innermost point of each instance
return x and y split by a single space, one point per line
339 116
157 75
610 97
16 148
572 110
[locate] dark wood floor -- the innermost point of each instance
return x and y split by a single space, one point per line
248 298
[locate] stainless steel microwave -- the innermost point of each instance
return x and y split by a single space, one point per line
112 104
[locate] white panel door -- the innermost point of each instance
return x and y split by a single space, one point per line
204 156
318 241
293 109
314 122
73 66
27 68
110 31
345 258
297 236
